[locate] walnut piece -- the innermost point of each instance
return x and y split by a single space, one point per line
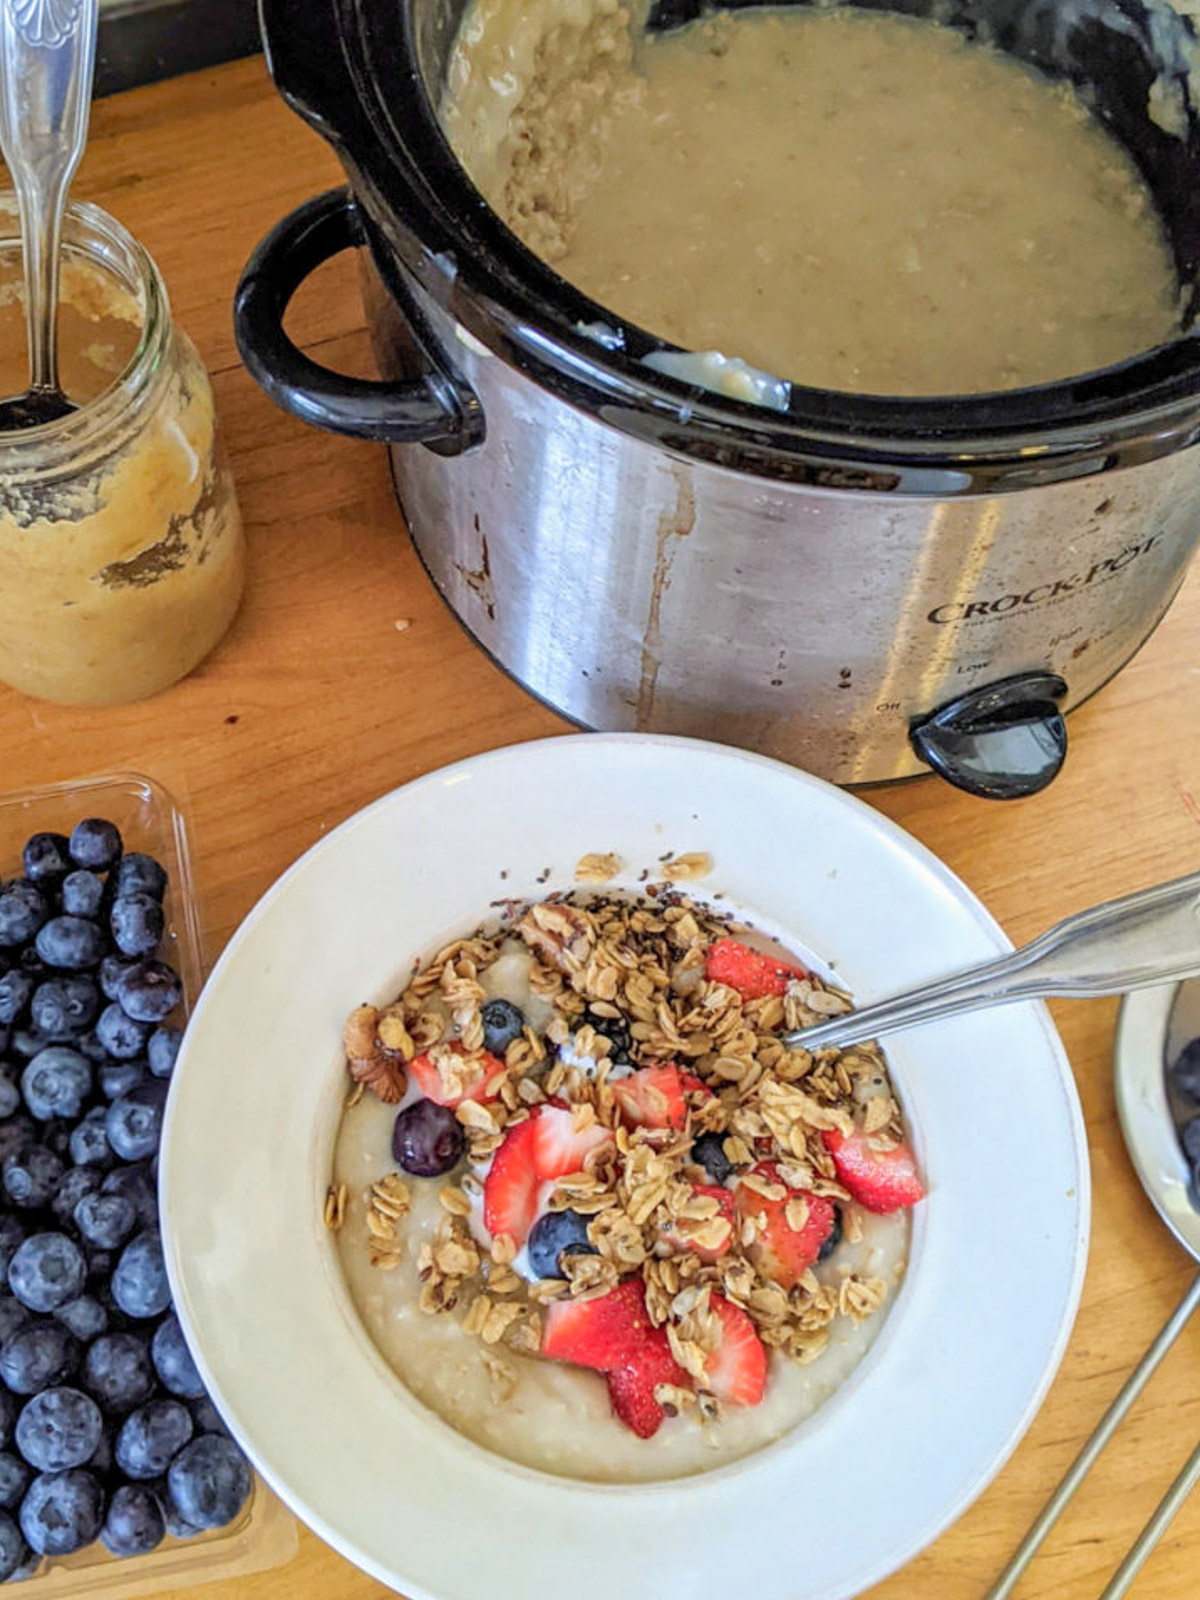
370 1062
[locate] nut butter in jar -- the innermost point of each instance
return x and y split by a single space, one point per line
121 550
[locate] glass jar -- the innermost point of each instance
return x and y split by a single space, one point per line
122 556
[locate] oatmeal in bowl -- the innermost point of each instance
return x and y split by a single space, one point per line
542 1311
590 1207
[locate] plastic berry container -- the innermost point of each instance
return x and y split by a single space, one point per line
264 1534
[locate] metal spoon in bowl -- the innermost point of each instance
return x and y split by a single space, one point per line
1145 938
47 58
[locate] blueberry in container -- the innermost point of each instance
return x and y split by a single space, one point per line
58 1067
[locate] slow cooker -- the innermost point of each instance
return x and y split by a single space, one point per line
864 586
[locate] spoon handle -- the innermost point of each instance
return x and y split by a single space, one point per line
47 59
1145 938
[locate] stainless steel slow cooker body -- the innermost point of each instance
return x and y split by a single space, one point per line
865 587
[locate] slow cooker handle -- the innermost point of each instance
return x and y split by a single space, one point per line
1003 741
435 408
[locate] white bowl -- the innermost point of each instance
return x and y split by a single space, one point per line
998 1248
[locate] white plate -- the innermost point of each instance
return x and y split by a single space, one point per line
998 1248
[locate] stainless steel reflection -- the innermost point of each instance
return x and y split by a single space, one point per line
633 588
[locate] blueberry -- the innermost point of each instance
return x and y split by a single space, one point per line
615 1030
136 921
81 894
89 1145
70 943
16 1133
22 912
427 1139
134 1524
173 1361
62 1511
502 1023
209 1481
47 1271
31 1565
31 1177
834 1237
41 1353
140 874
58 1429
151 1437
178 1527
12 1236
206 1417
120 1035
134 1122
109 974
1190 1139
162 1049
56 1082
14 1479
555 1235
95 843
62 1008
149 991
16 988
139 1282
117 1371
10 1093
73 1185
27 1042
85 1317
14 1552
106 1220
46 857
709 1152
117 1078
13 1315
138 1183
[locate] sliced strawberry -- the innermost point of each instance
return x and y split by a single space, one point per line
560 1148
600 1333
631 1388
680 1236
692 1085
748 971
486 1086
510 1190
652 1097
880 1180
782 1252
613 1334
737 1369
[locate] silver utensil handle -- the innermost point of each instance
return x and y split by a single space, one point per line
1189 1475
1083 1462
1145 938
47 58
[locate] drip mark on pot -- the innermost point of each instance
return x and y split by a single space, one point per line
479 580
674 524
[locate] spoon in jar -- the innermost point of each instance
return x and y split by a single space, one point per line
1142 939
47 58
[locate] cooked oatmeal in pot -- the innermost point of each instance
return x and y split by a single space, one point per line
592 1210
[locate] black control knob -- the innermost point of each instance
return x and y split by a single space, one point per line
1003 741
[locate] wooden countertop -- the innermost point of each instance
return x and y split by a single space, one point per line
316 704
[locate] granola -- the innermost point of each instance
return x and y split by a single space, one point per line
654 1185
